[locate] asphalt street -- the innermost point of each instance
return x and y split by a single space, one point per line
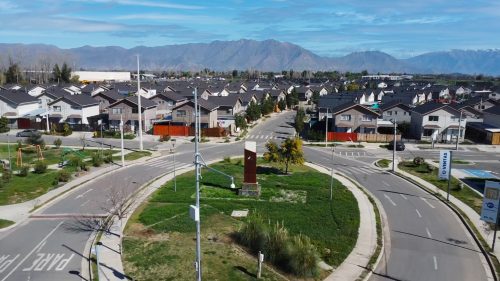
427 240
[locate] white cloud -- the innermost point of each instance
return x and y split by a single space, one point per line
152 4
172 17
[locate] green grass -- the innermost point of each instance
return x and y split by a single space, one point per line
162 228
456 161
429 174
133 155
356 145
384 163
5 223
29 156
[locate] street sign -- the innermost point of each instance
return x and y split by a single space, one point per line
444 164
489 210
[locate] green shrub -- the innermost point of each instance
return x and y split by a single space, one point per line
6 175
303 258
57 142
253 234
19 145
108 156
418 160
97 159
424 168
66 130
63 175
40 167
227 159
36 139
277 246
74 161
24 170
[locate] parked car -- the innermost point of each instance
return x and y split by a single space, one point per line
28 133
400 146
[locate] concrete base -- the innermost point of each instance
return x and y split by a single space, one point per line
250 189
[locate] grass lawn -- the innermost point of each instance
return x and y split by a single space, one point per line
456 161
5 223
384 163
429 173
159 242
133 155
51 155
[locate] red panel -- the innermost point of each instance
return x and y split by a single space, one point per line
335 136
250 175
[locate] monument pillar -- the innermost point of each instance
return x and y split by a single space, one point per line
250 186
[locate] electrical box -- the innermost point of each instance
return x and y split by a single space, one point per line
194 213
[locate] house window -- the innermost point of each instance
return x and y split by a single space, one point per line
117 110
366 117
428 132
389 113
433 118
395 113
134 110
56 108
345 117
404 113
181 113
76 107
161 102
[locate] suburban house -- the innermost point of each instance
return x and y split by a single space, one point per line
16 104
491 116
106 98
73 109
36 90
436 121
184 114
354 118
228 107
127 109
396 110
165 102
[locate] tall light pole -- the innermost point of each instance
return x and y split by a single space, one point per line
173 156
331 177
197 169
459 125
139 111
8 148
121 137
394 148
326 128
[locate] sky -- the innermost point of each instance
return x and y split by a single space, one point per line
402 28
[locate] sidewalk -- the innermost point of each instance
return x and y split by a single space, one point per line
474 217
20 212
354 265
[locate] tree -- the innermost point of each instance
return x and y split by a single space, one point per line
56 72
13 73
352 87
240 121
4 124
65 73
299 120
235 73
36 139
315 97
289 152
253 111
292 99
266 106
282 104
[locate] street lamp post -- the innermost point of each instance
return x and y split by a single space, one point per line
173 156
459 125
8 148
326 128
394 148
139 107
331 177
121 137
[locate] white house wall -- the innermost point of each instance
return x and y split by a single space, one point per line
88 112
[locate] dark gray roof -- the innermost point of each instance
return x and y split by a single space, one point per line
495 110
111 95
79 100
346 106
431 107
174 96
392 104
16 97
202 103
229 100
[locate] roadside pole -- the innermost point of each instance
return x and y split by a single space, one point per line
496 228
197 170
139 107
8 148
121 137
101 137
458 135
175 180
331 177
449 177
326 128
394 148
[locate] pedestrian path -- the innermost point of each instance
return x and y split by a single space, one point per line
261 137
353 153
355 170
166 164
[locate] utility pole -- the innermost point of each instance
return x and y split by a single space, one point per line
121 137
175 180
449 177
139 111
394 148
8 148
459 124
326 128
197 169
331 177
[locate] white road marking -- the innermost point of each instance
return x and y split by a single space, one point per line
32 251
5 262
81 195
428 232
358 153
404 197
389 199
84 203
352 154
418 213
435 263
425 200
385 183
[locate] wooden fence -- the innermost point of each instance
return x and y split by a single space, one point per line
335 136
170 130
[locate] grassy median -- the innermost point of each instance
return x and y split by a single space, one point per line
159 242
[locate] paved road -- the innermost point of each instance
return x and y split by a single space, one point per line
428 243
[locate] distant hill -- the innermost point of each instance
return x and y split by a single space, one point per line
268 55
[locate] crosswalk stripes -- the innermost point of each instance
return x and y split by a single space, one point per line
166 164
356 170
261 137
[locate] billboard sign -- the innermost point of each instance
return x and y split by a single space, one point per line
489 210
444 164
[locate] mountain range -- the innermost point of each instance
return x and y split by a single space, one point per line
268 55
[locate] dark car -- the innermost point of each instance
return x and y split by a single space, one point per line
400 146
28 133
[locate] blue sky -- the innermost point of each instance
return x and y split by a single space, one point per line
329 28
